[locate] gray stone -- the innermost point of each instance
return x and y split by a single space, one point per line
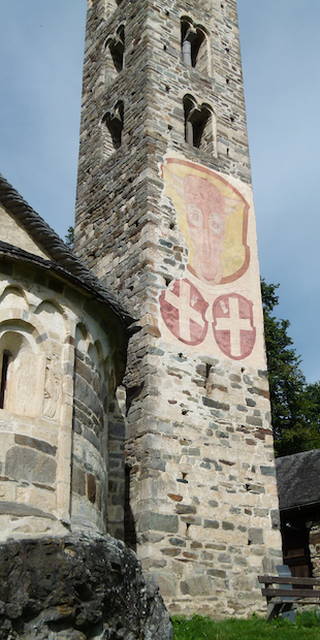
267 471
21 510
78 481
208 402
196 586
184 509
30 465
75 588
211 524
228 526
41 445
159 522
255 536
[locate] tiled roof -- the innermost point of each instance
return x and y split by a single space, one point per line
62 261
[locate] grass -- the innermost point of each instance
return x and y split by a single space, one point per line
306 627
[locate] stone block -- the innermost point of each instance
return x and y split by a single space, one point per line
91 487
159 522
255 536
34 443
30 465
184 509
211 524
197 585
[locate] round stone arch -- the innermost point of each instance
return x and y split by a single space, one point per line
13 296
22 364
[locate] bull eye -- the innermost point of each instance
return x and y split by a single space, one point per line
215 223
195 215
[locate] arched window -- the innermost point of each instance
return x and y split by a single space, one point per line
198 124
22 372
116 48
194 45
112 123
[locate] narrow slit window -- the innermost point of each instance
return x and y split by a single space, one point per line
6 358
116 46
113 128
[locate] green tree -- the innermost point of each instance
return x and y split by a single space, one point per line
69 238
295 405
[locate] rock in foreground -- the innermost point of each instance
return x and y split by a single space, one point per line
77 588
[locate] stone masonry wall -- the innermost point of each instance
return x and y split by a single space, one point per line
198 435
314 545
60 378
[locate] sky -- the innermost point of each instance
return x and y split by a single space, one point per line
41 51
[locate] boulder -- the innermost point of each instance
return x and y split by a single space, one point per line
77 588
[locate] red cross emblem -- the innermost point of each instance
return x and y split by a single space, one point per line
233 326
183 310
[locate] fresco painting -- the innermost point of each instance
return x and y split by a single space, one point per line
183 309
233 325
213 217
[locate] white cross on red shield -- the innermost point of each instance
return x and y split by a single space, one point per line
233 326
183 310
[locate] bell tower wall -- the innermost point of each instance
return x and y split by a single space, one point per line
165 218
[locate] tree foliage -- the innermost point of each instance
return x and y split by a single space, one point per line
295 405
69 238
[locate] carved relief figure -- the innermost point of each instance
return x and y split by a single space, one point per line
52 388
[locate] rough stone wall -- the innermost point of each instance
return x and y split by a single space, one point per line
116 455
198 436
314 545
54 417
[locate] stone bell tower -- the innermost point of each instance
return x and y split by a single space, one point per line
165 219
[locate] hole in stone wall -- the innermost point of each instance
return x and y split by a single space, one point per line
132 393
130 537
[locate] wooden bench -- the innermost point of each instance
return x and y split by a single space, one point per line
283 592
